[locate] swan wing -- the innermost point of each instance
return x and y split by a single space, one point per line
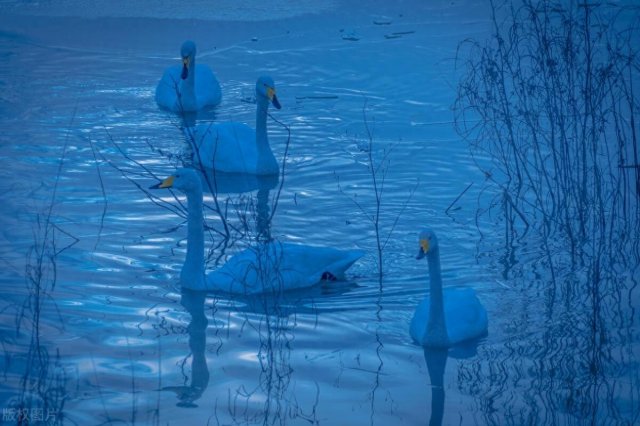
276 267
314 261
227 147
207 88
419 322
166 91
466 318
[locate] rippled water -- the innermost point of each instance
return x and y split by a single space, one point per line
108 337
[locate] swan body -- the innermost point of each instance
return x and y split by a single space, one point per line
188 87
235 147
266 268
445 317
274 267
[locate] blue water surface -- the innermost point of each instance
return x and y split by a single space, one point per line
94 326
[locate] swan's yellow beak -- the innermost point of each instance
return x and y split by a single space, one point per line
424 248
167 183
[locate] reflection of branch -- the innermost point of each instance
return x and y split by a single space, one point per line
104 194
43 382
100 390
269 316
379 348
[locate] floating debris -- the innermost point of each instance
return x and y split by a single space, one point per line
350 37
254 38
398 34
383 21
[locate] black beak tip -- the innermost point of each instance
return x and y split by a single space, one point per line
156 186
276 102
185 72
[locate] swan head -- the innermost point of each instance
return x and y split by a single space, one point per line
266 88
187 52
428 243
186 180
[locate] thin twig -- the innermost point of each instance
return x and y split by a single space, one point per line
458 197
284 165
104 194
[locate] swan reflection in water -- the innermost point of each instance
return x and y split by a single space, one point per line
193 301
274 310
436 359
218 183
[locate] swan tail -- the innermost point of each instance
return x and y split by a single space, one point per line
336 270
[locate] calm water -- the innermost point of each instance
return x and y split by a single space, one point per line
108 337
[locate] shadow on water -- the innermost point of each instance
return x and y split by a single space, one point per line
193 302
43 382
272 318
552 99
42 376
249 210
436 360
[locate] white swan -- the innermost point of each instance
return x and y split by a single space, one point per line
188 87
266 268
235 147
445 318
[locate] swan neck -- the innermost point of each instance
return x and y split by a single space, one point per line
436 328
191 76
266 162
188 86
435 277
261 122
